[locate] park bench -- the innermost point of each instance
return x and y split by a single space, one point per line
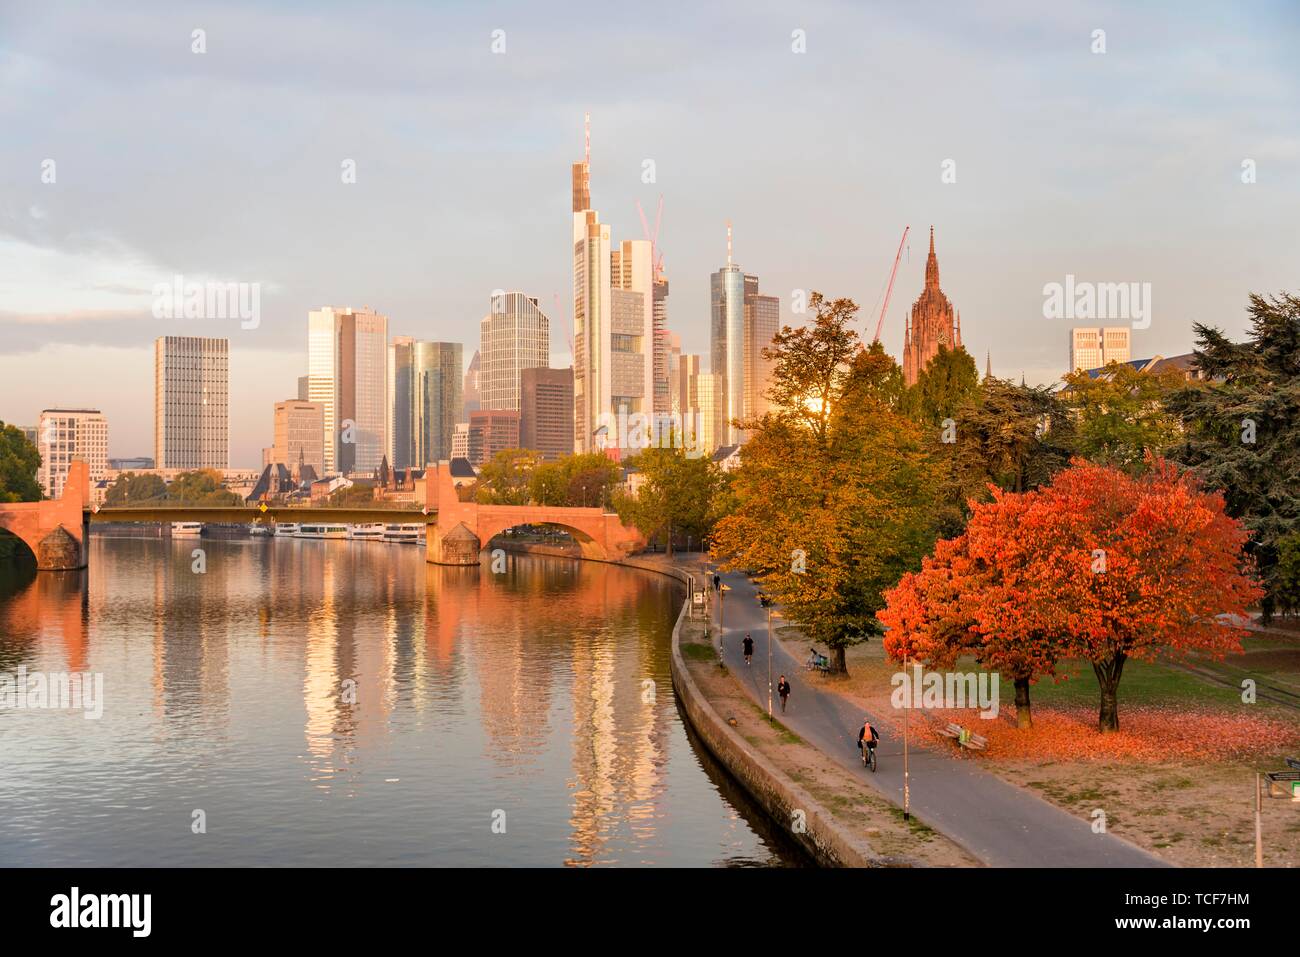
965 737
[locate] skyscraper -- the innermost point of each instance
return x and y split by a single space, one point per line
347 368
427 400
299 435
664 364
1092 348
546 412
191 402
491 431
931 323
513 336
613 321
66 434
470 389
743 325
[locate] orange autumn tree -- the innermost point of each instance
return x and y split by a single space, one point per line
974 596
1138 568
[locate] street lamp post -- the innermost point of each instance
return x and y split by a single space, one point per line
767 606
907 707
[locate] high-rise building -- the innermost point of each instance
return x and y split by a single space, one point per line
674 372
513 336
304 388
491 431
1092 348
710 411
299 435
470 388
67 434
932 323
427 400
664 364
460 441
762 322
613 321
743 325
191 402
347 369
546 412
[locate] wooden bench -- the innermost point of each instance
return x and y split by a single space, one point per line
964 737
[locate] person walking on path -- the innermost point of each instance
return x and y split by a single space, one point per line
749 648
717 582
783 689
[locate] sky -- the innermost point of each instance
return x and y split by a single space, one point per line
227 165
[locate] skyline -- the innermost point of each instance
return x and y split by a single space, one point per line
1122 167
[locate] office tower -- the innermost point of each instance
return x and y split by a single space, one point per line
304 388
710 411
664 366
347 368
299 435
460 441
931 324
67 434
470 389
191 402
744 322
632 335
674 353
491 431
762 322
591 337
1092 348
513 336
546 412
688 371
427 388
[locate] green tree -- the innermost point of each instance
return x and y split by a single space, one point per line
833 498
19 462
356 495
132 489
676 497
944 386
505 478
1286 578
1241 428
586 480
1120 415
201 487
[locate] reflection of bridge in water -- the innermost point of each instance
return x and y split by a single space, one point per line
456 531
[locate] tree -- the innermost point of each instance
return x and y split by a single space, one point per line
583 480
506 477
356 495
201 487
19 462
1137 567
1286 576
1120 415
132 489
676 496
973 597
833 496
1241 429
944 386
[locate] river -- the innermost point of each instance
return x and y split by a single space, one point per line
335 703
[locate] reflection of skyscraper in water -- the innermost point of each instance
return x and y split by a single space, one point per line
618 736
191 654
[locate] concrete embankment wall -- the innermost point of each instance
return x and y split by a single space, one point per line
828 842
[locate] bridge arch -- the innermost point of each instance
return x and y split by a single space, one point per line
55 530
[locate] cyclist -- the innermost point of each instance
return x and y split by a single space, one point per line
868 733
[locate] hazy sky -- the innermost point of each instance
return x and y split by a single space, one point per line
1117 167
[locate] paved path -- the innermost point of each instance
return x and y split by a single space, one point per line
999 823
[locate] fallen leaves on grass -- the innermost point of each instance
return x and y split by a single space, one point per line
1147 734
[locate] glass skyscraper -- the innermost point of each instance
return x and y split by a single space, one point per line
428 400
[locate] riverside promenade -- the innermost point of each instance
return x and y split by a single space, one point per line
999 824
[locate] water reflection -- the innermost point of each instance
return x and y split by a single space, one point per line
333 702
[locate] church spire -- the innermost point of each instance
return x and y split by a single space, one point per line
932 266
988 365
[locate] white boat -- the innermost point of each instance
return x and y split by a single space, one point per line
257 529
187 529
286 529
369 532
322 531
407 533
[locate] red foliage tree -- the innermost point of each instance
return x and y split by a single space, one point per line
1139 567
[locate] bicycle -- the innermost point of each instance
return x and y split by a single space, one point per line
868 755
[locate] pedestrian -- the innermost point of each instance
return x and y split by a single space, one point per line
749 647
783 689
717 582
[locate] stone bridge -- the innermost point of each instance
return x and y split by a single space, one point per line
54 530
464 528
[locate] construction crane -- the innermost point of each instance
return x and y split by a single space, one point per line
884 307
656 255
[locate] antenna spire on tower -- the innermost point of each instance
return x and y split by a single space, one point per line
728 242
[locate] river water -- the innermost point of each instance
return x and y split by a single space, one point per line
344 703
